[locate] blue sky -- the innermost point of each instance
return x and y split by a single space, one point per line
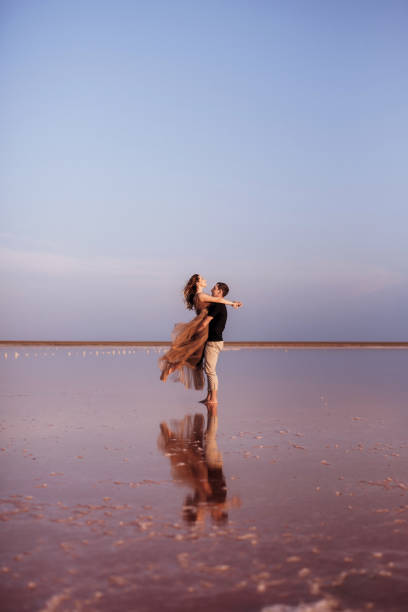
259 143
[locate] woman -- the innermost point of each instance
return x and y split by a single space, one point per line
184 358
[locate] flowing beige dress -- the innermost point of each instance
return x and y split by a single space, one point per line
183 360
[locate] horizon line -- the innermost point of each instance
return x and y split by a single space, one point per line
236 343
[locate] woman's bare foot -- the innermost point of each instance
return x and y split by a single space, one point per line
165 431
166 373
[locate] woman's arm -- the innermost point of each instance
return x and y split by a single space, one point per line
204 297
205 322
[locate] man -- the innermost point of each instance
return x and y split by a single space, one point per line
216 320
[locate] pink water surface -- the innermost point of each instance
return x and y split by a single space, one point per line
118 492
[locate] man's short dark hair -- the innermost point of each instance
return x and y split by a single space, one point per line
224 288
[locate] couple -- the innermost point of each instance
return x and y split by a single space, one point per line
200 340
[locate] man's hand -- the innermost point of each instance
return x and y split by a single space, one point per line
237 305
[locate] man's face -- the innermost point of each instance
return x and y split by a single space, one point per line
215 292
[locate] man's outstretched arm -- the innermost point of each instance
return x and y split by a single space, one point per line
205 298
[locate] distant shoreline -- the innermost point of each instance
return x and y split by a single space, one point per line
235 344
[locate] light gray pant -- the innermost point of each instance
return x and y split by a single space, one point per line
212 350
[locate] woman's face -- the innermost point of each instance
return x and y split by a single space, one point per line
201 282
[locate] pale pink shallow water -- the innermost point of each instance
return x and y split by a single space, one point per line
311 446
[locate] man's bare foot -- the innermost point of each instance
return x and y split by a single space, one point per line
212 409
203 401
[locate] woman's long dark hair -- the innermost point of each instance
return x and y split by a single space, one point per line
190 291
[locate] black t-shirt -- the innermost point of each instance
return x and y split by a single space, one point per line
217 323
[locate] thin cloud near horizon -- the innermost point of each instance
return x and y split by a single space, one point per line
357 279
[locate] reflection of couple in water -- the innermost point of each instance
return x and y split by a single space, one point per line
197 462
197 344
